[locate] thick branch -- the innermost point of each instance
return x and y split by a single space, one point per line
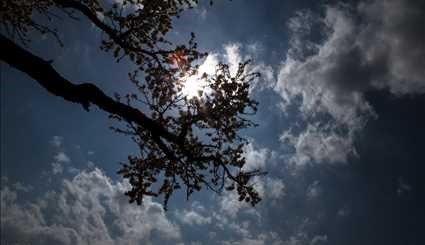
41 71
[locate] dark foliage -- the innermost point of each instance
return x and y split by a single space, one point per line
185 142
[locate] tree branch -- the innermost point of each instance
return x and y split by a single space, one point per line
84 94
112 33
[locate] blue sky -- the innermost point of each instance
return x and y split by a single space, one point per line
341 133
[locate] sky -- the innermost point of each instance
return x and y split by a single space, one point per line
341 133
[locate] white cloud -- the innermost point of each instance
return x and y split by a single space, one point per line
319 145
191 217
61 157
382 51
255 158
319 239
90 164
89 209
230 205
56 141
197 215
246 241
276 188
312 78
271 238
395 34
234 55
302 232
269 188
57 168
22 187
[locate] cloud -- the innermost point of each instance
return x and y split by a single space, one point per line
230 205
267 187
233 55
384 50
260 239
255 159
245 241
61 157
196 215
316 79
318 144
89 209
392 42
56 141
236 53
191 217
57 168
304 232
22 187
276 188
375 45
319 239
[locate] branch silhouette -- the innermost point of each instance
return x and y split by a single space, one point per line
183 142
84 94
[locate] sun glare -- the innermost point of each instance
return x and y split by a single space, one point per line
195 86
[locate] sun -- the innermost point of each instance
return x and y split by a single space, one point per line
193 86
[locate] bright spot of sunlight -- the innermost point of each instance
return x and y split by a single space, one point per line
193 84
193 87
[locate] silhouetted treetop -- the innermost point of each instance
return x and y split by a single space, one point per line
184 141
